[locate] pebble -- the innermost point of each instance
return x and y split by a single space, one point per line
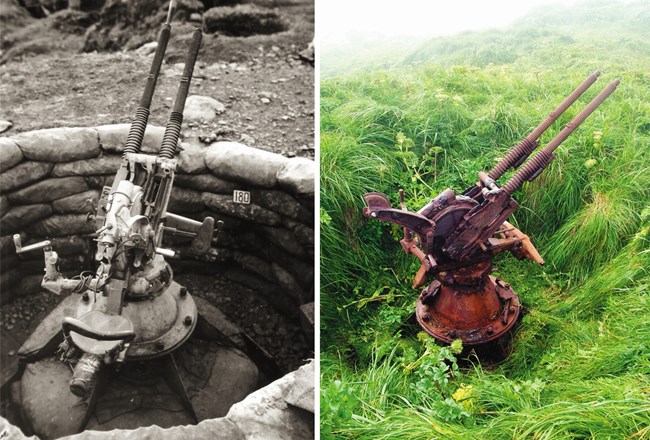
147 49
5 125
257 327
202 108
265 100
246 139
224 131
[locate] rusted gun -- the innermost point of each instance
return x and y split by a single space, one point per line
130 310
456 236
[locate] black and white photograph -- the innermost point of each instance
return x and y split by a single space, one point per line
157 219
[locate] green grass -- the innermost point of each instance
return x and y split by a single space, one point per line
580 365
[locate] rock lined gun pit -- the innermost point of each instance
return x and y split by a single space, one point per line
51 180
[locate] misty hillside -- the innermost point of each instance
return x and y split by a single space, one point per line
596 27
429 117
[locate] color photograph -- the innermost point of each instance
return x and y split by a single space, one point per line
485 171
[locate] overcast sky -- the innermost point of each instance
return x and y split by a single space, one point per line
340 21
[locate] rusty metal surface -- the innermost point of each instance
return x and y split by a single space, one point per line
537 164
475 314
520 153
455 237
379 208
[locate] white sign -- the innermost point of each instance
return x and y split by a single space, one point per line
241 197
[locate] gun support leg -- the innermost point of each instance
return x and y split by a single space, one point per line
169 372
102 380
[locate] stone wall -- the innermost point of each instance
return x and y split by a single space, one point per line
283 410
50 182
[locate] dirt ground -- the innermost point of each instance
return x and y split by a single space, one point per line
264 82
280 336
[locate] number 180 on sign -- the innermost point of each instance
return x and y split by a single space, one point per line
239 196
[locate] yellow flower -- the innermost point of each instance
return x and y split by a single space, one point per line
464 395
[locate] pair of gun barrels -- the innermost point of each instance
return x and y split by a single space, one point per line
173 127
518 155
513 159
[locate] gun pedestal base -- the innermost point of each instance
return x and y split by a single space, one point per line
199 380
468 304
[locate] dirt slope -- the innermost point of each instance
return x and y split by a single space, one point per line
266 86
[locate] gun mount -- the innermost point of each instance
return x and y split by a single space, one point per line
129 316
456 236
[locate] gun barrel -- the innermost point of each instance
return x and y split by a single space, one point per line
173 128
518 154
139 124
537 164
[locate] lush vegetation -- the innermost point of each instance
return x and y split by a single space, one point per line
580 361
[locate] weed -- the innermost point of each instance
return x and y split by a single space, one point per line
580 365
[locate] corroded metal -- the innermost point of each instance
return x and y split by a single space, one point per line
475 313
520 153
537 164
455 237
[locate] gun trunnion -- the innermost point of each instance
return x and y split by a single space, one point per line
455 237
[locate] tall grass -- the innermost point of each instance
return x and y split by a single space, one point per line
580 361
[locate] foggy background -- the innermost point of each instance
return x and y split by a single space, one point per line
369 35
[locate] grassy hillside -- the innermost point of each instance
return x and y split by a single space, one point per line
580 365
366 55
620 29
